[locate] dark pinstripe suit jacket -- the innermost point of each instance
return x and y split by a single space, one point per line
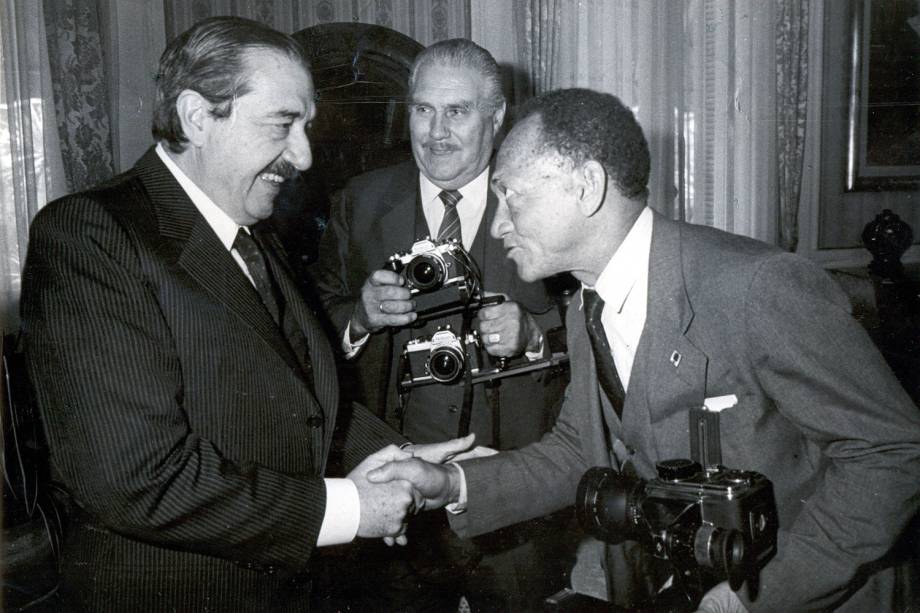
179 420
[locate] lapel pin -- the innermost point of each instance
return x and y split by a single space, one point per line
675 359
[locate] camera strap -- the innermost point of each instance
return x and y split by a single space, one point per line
493 398
466 410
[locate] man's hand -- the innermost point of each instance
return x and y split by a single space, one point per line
438 453
476 452
384 504
721 599
384 302
507 330
438 484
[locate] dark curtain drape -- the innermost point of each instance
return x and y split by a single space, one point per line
81 96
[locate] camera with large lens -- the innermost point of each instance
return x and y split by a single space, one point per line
441 357
437 274
712 525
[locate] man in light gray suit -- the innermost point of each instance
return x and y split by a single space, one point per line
691 313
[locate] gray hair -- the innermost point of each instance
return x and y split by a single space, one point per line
463 53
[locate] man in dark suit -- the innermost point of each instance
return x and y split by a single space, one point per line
188 393
456 108
691 316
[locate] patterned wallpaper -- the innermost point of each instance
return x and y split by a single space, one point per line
426 21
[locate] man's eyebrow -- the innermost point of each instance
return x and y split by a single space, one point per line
462 104
285 114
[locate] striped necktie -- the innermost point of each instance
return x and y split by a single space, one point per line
450 225
606 368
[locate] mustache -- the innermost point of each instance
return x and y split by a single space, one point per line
283 169
440 146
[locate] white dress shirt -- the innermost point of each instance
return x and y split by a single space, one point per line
470 208
343 506
623 286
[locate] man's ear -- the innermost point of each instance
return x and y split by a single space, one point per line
497 118
592 179
194 114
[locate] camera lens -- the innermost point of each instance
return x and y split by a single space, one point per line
608 504
425 273
445 364
720 549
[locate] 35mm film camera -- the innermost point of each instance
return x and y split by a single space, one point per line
441 276
442 357
710 523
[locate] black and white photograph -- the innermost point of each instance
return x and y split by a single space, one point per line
460 306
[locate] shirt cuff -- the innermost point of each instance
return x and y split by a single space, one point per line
456 508
343 513
533 356
351 349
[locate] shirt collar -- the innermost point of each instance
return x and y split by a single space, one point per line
628 265
225 228
474 191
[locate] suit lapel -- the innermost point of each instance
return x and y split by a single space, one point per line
203 257
594 438
400 202
669 372
325 381
486 248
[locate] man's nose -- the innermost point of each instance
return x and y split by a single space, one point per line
501 222
298 152
438 128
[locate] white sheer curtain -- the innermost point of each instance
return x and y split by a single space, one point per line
701 76
31 170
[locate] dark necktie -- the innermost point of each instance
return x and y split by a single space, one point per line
250 250
254 259
450 225
603 357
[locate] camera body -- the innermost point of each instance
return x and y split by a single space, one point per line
441 357
436 273
712 525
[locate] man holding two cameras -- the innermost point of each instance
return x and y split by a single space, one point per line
456 108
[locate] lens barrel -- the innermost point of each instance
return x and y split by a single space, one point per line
425 272
606 504
445 364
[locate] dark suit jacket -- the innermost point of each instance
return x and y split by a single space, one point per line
818 412
179 420
378 214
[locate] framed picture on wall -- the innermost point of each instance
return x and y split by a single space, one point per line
883 144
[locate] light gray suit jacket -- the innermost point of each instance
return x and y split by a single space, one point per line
819 413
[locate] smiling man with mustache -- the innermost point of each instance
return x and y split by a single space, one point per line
189 394
456 108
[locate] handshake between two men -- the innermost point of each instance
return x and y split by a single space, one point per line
395 482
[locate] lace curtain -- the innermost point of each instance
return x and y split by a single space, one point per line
426 21
31 167
718 85
81 95
792 97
